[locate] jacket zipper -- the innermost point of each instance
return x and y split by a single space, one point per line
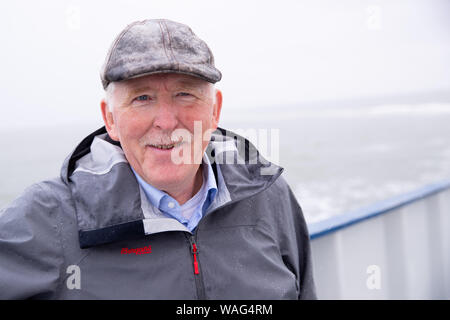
197 275
194 249
194 252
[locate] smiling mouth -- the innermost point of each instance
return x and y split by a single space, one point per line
165 146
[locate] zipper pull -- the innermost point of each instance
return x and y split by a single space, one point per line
195 252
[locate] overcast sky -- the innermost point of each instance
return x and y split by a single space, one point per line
271 53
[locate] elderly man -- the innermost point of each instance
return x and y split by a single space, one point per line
146 207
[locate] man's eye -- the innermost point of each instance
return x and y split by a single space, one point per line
183 94
143 98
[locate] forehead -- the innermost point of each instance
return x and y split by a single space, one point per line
163 81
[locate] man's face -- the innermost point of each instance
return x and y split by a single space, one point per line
147 110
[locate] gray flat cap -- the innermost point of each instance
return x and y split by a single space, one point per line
158 46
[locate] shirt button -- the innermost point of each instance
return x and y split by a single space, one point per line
171 205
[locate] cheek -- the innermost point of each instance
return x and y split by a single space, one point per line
206 137
200 115
132 127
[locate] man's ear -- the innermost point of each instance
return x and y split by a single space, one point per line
108 119
217 109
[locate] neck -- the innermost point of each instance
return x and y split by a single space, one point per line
189 189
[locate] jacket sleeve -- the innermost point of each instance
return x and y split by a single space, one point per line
30 249
295 244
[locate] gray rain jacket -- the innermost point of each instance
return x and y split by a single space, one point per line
92 234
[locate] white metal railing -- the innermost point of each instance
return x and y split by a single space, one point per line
395 249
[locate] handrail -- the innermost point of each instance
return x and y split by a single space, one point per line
329 225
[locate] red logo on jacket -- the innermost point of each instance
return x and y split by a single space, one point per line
143 250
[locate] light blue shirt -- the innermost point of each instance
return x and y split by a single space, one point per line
195 207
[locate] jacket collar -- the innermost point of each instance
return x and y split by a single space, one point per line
111 206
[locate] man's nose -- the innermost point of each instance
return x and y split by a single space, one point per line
165 117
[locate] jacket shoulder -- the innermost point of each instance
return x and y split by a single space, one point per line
286 221
30 238
280 190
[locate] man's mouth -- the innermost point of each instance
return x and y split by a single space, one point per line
165 146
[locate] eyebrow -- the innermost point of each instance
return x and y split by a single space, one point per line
131 93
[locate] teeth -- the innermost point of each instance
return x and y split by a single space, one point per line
163 146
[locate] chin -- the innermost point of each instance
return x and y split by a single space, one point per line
165 175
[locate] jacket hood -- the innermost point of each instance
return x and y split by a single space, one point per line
110 205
